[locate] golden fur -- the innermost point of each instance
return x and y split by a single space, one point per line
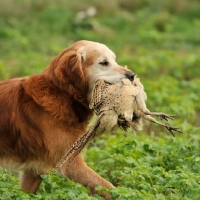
42 115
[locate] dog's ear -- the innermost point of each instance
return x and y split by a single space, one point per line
68 68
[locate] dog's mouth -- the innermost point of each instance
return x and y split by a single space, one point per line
115 80
111 79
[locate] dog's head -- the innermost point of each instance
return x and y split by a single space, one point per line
85 62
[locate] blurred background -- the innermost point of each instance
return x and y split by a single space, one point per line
158 40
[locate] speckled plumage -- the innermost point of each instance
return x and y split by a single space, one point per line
120 104
123 99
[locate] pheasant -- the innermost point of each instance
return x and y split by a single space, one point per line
117 105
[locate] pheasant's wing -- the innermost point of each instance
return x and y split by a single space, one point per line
99 95
96 95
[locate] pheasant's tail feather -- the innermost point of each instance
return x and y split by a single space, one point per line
79 144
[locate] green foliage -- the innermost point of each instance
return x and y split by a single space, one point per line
150 168
141 167
159 41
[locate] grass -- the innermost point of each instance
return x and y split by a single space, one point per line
159 41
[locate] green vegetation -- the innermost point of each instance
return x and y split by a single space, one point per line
159 41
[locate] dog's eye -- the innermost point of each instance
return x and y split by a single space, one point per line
104 63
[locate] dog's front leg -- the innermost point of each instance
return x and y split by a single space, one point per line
30 181
79 172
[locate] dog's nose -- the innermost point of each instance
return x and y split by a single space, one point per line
130 75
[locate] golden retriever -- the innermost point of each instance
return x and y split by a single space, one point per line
42 115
